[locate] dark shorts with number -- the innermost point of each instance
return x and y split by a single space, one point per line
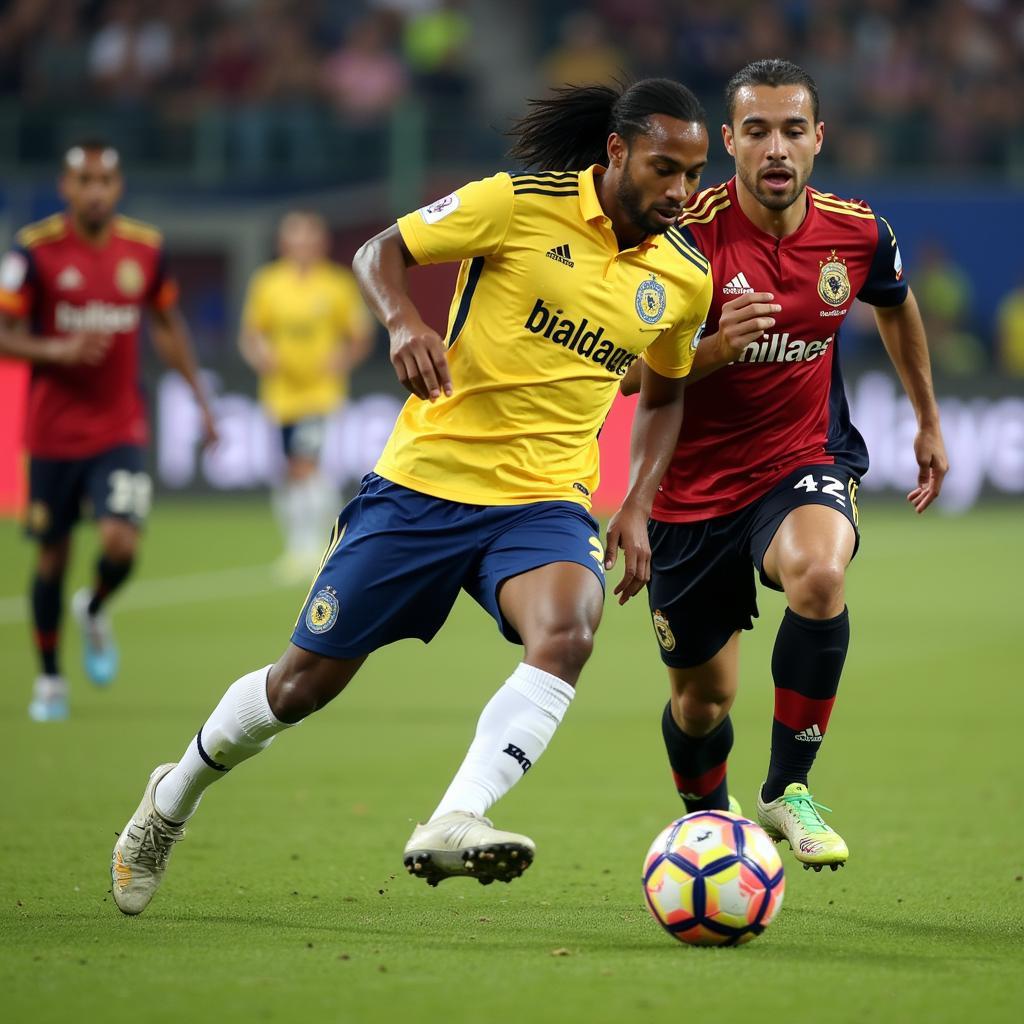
398 559
113 483
304 438
702 585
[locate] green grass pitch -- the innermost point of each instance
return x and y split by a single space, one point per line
288 902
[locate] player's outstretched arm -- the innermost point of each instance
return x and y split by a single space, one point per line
659 415
78 349
903 335
417 352
171 340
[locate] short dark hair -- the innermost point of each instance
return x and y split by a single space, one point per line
774 72
569 130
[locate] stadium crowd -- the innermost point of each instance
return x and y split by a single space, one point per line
909 83
276 93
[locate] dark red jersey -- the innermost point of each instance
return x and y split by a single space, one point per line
64 284
782 403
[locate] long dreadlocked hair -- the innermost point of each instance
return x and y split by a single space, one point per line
569 130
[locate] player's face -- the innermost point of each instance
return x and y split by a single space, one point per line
774 141
303 239
658 171
92 188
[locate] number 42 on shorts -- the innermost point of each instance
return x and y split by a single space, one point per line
832 486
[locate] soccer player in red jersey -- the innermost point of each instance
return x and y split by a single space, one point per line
71 295
767 465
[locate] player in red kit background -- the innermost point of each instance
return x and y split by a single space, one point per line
768 464
72 291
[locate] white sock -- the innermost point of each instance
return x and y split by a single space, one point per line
241 725
513 731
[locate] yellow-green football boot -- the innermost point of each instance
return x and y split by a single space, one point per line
794 817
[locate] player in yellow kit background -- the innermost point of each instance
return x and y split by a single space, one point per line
304 329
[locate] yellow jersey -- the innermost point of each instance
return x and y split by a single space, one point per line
546 318
304 318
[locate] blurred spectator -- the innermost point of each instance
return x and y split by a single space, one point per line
433 44
130 52
583 56
1010 332
944 295
232 64
58 67
364 78
281 119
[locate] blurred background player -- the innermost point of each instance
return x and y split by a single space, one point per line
72 291
768 464
304 329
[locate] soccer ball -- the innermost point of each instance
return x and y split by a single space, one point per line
713 879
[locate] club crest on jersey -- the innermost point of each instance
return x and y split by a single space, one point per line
664 631
650 301
129 278
834 280
323 611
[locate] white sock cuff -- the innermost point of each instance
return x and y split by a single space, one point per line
252 707
548 692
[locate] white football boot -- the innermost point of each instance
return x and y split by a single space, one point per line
794 817
140 854
460 843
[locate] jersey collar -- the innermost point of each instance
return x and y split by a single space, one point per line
755 231
592 212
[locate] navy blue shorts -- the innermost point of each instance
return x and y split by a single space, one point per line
702 585
398 559
109 484
304 438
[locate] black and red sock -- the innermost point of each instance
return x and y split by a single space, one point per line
806 665
109 576
698 763
46 621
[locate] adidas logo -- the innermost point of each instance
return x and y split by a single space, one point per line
561 254
812 734
739 285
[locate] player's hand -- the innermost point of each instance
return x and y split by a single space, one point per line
628 530
933 465
84 348
742 320
210 433
419 357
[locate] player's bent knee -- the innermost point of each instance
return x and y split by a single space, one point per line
698 714
818 590
301 682
563 651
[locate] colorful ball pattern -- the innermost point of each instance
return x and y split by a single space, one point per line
713 879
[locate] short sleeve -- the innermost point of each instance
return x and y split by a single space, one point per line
163 292
472 221
17 282
884 285
255 310
671 354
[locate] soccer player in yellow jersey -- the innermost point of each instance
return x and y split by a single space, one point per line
567 277
304 329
